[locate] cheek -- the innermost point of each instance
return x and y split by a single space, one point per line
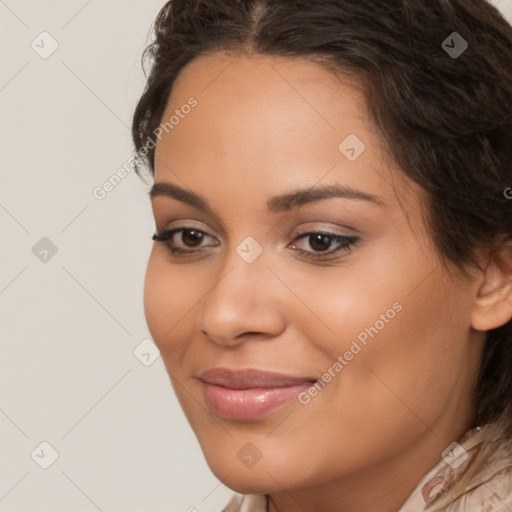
395 337
169 297
338 306
416 361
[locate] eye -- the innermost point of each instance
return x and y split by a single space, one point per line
322 244
187 241
190 240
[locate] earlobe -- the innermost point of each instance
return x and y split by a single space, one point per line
493 303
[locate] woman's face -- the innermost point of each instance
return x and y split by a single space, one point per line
339 284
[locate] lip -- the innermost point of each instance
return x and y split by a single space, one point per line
249 394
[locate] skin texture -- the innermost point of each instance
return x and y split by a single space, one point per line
265 126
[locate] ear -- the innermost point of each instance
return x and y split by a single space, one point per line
493 304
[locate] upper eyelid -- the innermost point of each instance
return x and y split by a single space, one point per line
303 211
328 231
190 223
298 236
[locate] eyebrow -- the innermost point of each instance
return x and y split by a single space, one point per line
276 204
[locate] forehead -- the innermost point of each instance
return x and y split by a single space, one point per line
265 124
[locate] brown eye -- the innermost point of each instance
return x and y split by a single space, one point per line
189 242
192 237
320 244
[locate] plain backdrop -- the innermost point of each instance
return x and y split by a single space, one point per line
88 418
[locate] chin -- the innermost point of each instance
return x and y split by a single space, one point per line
250 484
262 478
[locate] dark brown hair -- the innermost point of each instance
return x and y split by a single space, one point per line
446 119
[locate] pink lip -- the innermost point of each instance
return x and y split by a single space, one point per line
250 394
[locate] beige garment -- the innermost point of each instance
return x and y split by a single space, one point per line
255 503
474 476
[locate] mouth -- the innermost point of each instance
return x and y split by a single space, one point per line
250 394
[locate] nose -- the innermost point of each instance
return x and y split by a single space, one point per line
242 304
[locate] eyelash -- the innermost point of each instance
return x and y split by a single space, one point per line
346 243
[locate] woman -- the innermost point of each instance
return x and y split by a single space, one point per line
330 285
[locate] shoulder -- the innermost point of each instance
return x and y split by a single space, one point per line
247 503
485 481
476 477
487 486
494 495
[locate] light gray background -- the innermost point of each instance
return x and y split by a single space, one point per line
70 325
